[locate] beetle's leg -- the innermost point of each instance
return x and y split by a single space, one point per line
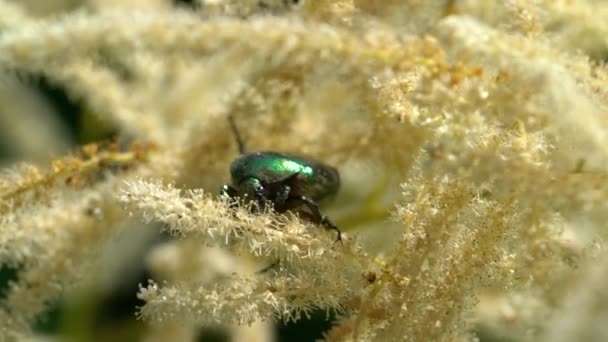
228 192
276 193
320 218
282 197
253 188
283 192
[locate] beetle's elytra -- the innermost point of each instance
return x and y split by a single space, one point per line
289 182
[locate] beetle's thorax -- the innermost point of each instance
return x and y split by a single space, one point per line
303 175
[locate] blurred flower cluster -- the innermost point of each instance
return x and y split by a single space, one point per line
471 137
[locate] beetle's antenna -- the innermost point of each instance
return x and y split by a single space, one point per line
239 140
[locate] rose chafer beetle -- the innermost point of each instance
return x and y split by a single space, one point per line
290 182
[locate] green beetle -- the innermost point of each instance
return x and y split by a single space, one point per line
289 182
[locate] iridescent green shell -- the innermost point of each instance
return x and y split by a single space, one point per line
305 176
